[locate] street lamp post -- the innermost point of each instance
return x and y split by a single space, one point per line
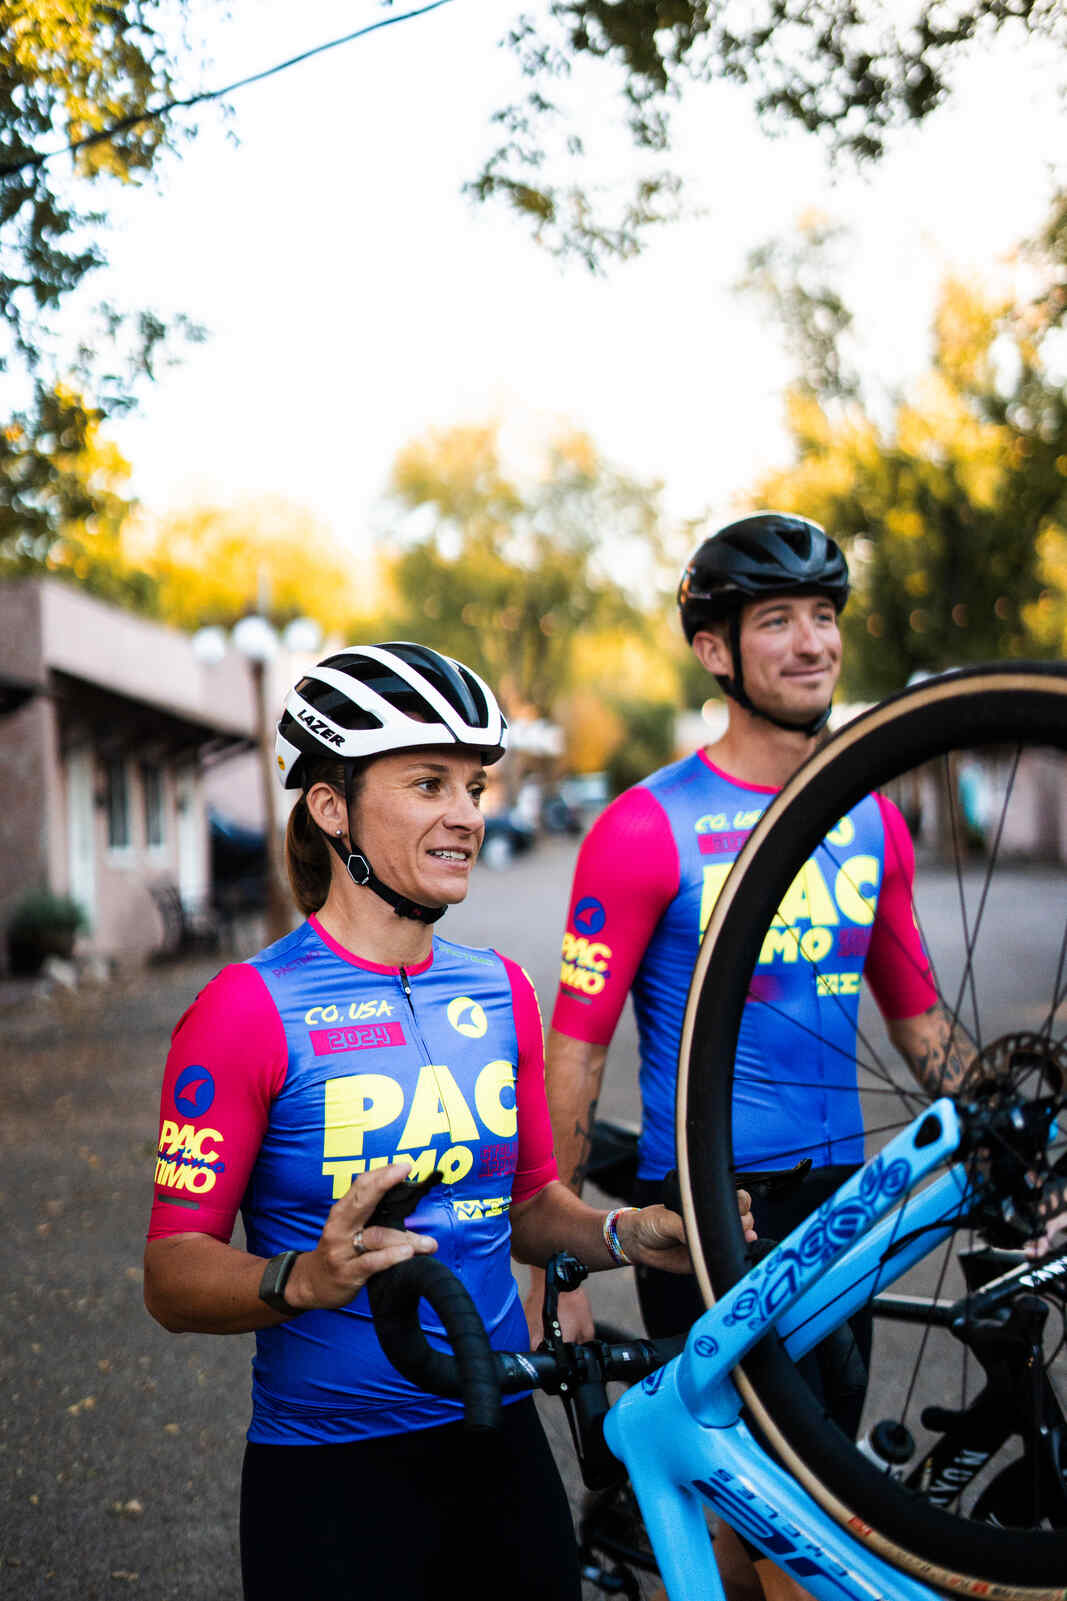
256 638
257 641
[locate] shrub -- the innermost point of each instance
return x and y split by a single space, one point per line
42 925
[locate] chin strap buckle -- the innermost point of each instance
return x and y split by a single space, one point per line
356 865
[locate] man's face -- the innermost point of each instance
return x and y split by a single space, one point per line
791 654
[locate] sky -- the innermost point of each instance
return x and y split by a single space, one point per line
355 298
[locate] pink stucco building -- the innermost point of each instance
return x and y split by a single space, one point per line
109 725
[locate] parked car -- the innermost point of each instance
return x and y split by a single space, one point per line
558 816
506 836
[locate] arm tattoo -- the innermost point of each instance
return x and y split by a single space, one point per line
585 1147
942 1060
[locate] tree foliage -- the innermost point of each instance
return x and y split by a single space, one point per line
955 511
213 564
63 503
70 69
847 71
508 575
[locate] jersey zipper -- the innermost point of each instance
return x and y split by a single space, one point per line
405 984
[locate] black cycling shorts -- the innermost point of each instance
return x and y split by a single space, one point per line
434 1512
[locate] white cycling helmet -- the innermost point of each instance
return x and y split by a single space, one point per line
371 699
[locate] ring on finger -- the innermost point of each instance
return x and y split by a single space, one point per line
357 1243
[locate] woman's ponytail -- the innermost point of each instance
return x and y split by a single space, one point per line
308 856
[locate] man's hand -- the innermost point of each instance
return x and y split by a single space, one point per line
655 1236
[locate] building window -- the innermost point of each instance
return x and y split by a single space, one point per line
152 789
118 805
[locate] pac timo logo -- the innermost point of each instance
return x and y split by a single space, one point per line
194 1091
467 1017
586 959
190 1158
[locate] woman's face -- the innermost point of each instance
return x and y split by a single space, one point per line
417 820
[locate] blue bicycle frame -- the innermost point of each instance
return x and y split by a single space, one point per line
680 1432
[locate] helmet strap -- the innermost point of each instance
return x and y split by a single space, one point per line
360 871
735 688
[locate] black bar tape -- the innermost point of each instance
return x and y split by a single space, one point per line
471 1370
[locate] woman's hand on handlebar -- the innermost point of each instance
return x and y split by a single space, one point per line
349 1253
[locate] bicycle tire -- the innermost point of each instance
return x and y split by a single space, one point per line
1009 705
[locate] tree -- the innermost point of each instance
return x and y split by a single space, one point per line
847 71
212 564
62 501
509 576
955 511
70 69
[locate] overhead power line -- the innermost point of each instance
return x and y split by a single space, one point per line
155 113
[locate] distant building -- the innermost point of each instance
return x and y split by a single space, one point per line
108 725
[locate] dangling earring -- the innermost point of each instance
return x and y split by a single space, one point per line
338 833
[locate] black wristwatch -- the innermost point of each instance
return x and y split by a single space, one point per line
272 1284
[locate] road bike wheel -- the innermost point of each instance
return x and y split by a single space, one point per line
1013 721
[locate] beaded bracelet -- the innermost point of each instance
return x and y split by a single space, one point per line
611 1235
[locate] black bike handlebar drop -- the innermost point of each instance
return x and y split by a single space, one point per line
578 1374
471 1371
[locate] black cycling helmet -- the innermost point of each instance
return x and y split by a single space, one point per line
368 700
769 553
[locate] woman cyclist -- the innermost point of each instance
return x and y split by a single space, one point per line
306 1082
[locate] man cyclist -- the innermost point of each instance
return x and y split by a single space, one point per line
759 605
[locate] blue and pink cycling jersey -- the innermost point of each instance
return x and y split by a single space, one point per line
296 1071
647 878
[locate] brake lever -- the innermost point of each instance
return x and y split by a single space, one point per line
579 1380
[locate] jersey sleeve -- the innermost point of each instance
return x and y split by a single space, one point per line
227 1061
626 876
536 1163
897 967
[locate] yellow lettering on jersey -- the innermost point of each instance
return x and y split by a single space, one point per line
585 952
580 978
816 943
437 1107
856 888
493 1079
714 878
843 833
425 1163
783 942
838 984
807 899
173 1139
355 1104
456 1163
181 1176
342 1174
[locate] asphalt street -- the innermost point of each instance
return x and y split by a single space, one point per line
120 1445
